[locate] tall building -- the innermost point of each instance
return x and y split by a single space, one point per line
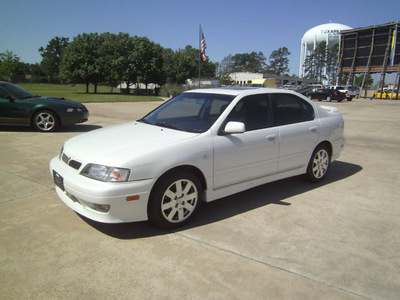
329 33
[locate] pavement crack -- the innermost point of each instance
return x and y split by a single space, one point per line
231 252
25 178
24 197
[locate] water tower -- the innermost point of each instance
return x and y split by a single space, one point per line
329 33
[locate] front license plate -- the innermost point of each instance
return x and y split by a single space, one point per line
58 180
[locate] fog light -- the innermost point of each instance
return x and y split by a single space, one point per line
104 208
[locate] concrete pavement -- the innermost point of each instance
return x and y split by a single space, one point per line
286 240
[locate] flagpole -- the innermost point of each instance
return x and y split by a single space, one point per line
199 54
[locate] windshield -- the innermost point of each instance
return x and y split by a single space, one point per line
17 91
192 112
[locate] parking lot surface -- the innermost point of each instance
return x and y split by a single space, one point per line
291 239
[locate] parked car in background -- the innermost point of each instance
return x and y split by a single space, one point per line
19 107
200 146
350 93
386 93
327 94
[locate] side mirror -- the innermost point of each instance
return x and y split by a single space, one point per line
9 98
234 127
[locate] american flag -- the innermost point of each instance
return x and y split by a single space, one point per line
203 47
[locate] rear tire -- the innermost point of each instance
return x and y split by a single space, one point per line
175 200
319 164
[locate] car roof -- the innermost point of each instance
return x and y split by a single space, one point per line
236 91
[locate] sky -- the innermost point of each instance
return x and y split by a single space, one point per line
230 27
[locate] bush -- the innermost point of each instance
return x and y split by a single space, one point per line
171 90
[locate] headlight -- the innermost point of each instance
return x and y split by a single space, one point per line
70 109
105 173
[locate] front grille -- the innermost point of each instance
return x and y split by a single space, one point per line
70 162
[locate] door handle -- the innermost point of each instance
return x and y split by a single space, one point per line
271 137
313 128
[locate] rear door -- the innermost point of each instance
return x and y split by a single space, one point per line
298 130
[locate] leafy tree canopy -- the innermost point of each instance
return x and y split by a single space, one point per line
51 57
10 65
279 62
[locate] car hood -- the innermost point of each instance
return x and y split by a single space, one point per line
122 144
57 100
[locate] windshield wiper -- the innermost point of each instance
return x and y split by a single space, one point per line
145 121
167 125
161 124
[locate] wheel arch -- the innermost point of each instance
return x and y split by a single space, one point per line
176 170
179 169
184 168
328 146
42 108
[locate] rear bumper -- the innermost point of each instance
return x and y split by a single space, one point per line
337 148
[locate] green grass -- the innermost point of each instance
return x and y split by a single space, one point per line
78 93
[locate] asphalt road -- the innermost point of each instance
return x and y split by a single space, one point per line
287 240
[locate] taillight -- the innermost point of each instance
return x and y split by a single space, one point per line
334 94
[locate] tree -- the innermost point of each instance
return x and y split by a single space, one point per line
225 68
315 63
359 80
35 72
80 64
332 63
279 62
180 65
10 65
115 59
51 57
249 62
148 61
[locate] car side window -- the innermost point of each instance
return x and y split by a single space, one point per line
3 94
291 109
254 111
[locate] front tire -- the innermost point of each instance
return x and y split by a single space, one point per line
45 121
319 164
329 99
175 200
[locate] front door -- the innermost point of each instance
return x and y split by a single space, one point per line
14 112
249 155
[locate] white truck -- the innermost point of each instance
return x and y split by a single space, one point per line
350 91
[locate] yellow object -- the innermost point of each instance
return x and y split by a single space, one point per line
263 83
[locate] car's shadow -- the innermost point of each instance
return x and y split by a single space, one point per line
75 128
272 193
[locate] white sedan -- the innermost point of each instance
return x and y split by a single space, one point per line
199 146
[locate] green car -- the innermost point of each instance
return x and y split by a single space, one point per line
21 108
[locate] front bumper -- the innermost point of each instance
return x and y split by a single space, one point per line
83 194
68 119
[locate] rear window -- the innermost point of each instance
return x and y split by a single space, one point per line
291 109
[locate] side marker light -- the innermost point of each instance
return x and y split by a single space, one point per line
132 198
